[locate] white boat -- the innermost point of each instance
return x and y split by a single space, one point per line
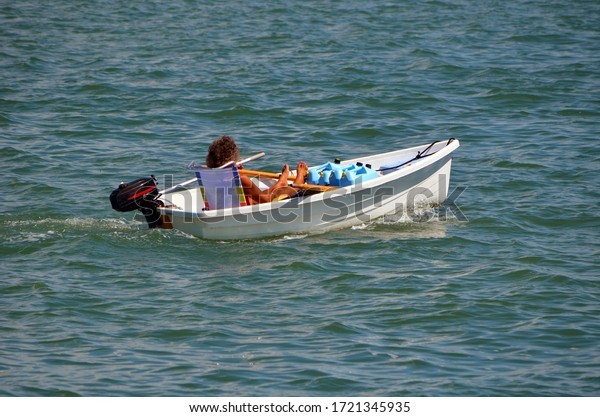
406 178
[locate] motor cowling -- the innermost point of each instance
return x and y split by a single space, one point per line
140 195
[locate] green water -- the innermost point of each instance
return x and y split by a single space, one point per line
506 303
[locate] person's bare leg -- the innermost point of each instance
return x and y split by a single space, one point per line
264 196
284 191
283 178
301 172
281 187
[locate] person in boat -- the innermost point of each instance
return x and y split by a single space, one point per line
224 149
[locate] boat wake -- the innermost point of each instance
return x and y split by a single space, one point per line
38 230
424 222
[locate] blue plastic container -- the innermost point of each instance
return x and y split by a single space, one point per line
338 175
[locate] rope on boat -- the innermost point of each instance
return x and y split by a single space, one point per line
420 155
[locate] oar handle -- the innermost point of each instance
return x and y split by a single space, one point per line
182 184
243 161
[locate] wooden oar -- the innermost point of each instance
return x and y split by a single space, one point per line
274 175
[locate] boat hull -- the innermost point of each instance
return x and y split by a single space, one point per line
424 181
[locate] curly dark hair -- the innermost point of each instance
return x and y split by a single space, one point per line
222 151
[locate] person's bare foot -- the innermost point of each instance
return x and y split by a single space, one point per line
301 172
285 173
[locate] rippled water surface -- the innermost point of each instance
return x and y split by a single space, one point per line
506 303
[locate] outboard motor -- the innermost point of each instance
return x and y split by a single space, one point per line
139 195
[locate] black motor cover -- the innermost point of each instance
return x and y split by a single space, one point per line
138 195
133 195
